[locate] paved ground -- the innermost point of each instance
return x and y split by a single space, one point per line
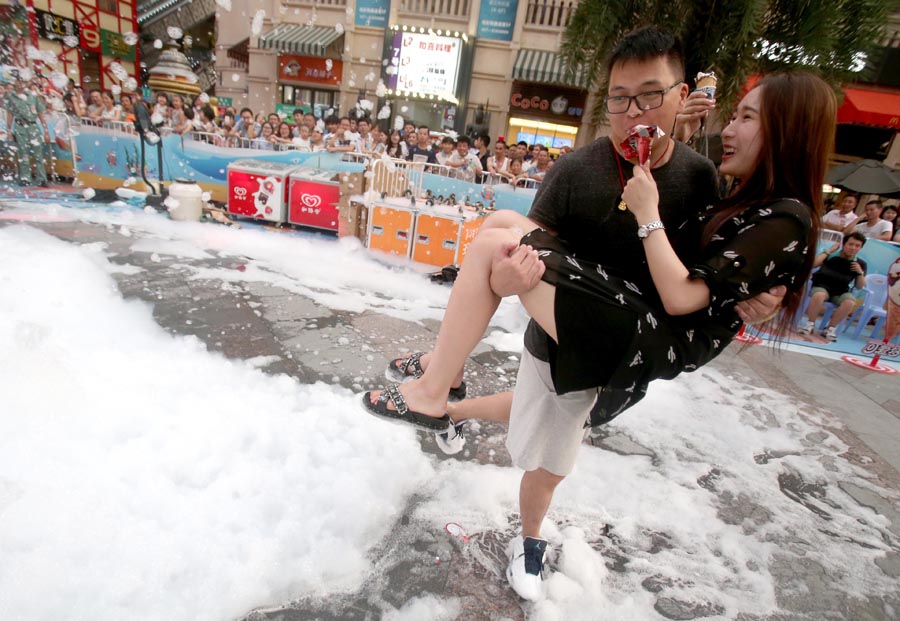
251 320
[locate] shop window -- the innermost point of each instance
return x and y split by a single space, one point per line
107 5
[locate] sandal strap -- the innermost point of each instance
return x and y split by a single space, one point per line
396 397
413 361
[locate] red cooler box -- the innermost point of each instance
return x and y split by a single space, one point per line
258 189
314 196
443 235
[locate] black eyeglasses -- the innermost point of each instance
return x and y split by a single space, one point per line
647 100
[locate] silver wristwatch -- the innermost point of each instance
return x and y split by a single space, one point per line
646 229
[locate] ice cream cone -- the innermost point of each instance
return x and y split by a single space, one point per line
893 320
706 83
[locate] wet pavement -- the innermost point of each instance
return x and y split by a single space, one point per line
308 341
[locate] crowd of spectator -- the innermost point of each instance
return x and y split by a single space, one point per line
877 221
471 158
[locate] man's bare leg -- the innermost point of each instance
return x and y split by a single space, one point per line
535 494
494 408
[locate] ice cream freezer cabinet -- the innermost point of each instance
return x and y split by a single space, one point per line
314 197
434 235
258 189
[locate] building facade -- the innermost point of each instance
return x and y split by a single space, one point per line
92 42
467 65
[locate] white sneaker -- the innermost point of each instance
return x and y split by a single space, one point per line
526 565
451 441
807 329
831 334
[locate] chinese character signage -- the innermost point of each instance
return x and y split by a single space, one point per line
497 18
112 44
293 68
52 26
425 64
373 13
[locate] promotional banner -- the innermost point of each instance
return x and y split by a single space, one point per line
372 13
496 19
426 64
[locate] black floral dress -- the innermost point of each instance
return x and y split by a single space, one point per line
616 338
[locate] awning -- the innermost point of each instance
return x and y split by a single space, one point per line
864 107
546 67
299 39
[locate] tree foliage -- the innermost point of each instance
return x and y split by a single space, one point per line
734 38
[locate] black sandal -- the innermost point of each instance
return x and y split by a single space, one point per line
410 367
403 414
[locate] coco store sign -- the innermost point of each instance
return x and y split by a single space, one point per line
547 101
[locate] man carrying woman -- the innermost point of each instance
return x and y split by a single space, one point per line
635 284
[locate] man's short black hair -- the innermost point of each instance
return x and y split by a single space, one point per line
447 140
485 139
522 143
648 43
465 139
854 235
243 110
875 201
424 127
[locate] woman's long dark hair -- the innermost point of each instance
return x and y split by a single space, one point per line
797 123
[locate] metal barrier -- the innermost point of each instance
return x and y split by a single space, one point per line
525 182
125 127
830 237
356 157
292 147
393 177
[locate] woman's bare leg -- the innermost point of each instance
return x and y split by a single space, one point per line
471 306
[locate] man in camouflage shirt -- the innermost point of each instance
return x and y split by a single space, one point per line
23 109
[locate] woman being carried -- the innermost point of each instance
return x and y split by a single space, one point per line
777 145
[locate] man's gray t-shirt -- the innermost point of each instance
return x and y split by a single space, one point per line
579 201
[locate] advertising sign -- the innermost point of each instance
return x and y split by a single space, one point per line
326 71
372 13
54 27
89 38
496 19
426 64
548 101
314 204
112 44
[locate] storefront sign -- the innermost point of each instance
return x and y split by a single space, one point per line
373 13
223 101
497 18
286 111
292 68
52 26
425 64
556 102
89 38
112 44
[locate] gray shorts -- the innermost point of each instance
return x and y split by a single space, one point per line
545 429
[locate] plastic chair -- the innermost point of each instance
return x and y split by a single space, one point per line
873 307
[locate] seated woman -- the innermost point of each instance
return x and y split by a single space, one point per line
760 236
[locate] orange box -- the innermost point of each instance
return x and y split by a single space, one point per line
443 234
391 226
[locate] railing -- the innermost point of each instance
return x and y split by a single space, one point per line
550 13
316 3
441 8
